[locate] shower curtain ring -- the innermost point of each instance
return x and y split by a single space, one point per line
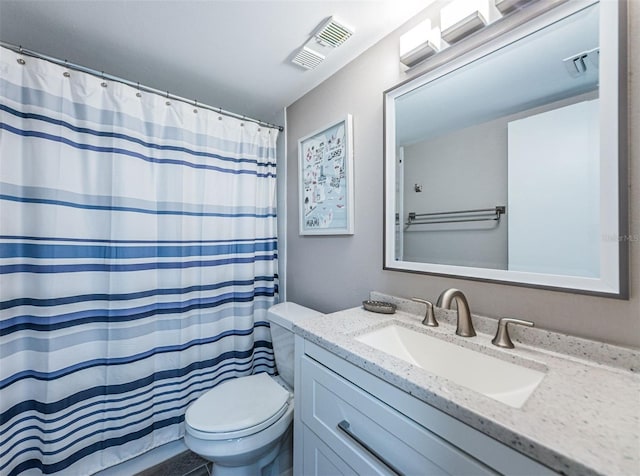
104 83
20 60
66 74
195 103
139 94
168 103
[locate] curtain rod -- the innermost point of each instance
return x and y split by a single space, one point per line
103 75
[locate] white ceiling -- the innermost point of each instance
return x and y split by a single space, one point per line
233 54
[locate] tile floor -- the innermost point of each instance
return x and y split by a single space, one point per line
184 464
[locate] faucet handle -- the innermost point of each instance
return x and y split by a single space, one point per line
502 338
429 316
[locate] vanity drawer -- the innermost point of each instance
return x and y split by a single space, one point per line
320 460
370 436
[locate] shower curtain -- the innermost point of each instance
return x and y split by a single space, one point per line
138 258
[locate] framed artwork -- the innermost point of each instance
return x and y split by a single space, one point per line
325 180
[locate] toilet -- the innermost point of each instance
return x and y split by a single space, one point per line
240 425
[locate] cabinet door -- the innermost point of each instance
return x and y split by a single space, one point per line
372 437
319 459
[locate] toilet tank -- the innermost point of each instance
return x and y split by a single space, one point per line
282 317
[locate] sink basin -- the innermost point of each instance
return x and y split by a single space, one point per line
504 381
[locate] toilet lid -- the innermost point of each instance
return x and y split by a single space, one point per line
237 404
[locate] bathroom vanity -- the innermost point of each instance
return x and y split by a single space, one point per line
361 410
365 428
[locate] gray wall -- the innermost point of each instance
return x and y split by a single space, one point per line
281 171
332 273
463 170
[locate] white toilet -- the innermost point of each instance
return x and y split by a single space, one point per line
240 424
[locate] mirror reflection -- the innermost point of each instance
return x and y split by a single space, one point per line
498 161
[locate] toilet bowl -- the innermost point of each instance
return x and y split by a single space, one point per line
240 424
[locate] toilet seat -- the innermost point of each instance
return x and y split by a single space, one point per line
237 408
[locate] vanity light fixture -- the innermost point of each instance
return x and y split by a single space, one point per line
329 35
419 43
460 18
508 6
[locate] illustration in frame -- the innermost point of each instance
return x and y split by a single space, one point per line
325 180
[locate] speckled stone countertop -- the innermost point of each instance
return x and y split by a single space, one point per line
583 418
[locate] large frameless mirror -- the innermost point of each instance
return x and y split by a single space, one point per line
506 163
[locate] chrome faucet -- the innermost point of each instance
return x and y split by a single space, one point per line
464 326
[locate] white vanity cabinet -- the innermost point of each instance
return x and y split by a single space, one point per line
349 421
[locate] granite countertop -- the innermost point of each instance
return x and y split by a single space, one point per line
583 418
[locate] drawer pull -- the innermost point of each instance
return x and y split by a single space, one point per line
346 428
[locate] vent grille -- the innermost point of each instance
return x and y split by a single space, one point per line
307 58
333 33
583 63
328 36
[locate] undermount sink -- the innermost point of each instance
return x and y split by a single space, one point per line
506 382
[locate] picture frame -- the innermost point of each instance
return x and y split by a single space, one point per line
325 180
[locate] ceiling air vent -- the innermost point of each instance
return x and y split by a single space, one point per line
583 63
329 35
333 33
307 58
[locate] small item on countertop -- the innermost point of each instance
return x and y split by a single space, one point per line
379 306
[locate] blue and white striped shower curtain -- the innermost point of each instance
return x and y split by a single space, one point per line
138 259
